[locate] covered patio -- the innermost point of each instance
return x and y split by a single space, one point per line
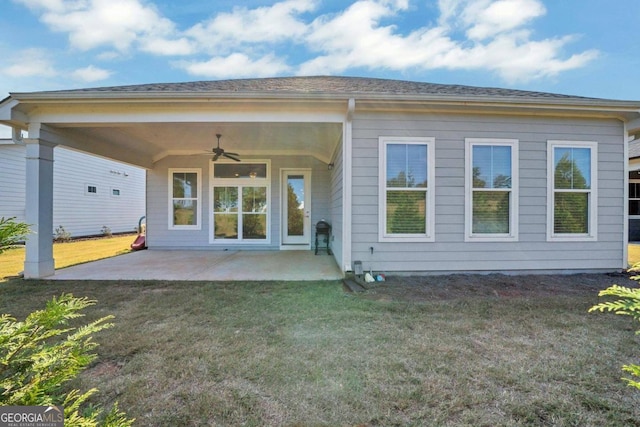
190 265
197 197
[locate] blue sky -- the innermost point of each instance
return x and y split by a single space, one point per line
576 47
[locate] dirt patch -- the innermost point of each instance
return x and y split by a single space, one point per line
105 369
461 286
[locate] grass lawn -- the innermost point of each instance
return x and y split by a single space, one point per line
308 354
71 253
634 254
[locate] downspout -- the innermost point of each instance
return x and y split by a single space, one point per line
347 192
625 227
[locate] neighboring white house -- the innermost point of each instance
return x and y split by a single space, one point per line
89 192
413 177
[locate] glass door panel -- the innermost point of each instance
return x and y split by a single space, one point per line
296 207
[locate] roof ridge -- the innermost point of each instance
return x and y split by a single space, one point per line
321 84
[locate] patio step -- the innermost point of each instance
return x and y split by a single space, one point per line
353 284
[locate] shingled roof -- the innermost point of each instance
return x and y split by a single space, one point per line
320 85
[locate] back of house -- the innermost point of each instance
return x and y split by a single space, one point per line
412 177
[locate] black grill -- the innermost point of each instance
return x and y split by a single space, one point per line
323 235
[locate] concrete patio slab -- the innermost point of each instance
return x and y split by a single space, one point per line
207 265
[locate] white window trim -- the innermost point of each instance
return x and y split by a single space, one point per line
232 182
592 236
198 225
87 192
514 198
633 181
429 235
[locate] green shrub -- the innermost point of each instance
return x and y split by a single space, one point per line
12 232
627 304
41 354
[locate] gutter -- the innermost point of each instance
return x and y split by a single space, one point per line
337 96
626 111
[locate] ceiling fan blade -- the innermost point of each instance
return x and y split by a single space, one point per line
216 157
229 156
233 154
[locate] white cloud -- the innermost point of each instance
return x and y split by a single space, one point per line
116 24
161 46
91 74
491 35
498 41
486 18
30 63
235 65
262 25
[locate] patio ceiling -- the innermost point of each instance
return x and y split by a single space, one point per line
154 141
147 129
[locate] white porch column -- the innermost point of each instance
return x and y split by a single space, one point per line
39 209
347 182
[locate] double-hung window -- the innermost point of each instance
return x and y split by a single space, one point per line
491 189
240 202
572 197
406 189
184 199
634 198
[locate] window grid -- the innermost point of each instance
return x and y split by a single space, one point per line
406 183
247 222
634 198
185 199
488 176
572 191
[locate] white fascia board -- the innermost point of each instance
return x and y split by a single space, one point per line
9 115
5 108
317 98
117 115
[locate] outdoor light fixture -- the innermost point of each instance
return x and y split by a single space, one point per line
330 166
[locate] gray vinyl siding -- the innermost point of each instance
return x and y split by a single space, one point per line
79 213
159 236
450 252
337 204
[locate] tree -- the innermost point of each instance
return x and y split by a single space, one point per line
296 215
570 208
42 353
12 232
628 304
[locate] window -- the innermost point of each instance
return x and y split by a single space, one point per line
240 202
91 189
407 197
634 198
491 189
572 174
115 192
184 199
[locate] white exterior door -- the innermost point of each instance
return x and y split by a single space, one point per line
296 208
